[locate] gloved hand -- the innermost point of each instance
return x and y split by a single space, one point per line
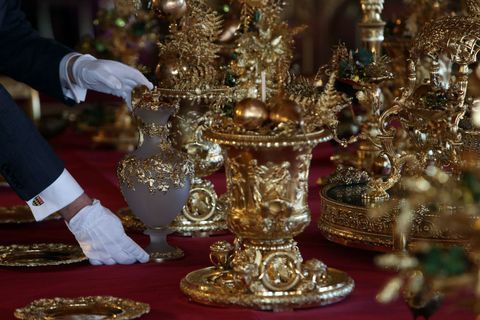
102 238
107 76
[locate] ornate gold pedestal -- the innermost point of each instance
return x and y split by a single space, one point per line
267 181
204 212
345 220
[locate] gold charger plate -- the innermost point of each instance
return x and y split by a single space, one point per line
85 308
40 254
20 214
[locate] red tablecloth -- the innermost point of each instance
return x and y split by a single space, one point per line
158 284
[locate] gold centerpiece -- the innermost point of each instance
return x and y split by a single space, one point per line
429 111
267 179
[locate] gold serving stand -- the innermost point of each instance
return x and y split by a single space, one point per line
96 307
345 219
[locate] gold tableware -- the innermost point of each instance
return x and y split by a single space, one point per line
21 214
267 181
40 254
97 307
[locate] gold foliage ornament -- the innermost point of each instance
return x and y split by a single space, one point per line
188 57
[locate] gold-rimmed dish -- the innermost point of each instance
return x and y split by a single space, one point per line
40 255
85 308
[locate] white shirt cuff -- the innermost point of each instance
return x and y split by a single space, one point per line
58 195
71 90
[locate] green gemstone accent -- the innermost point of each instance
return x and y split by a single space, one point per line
119 22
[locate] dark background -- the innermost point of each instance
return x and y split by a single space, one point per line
329 22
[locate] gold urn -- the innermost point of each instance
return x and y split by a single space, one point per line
267 181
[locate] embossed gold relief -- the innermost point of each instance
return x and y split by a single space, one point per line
267 181
160 172
204 212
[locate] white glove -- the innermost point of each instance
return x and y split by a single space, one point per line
102 238
107 76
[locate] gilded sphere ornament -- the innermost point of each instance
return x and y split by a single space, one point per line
250 113
173 8
167 70
285 110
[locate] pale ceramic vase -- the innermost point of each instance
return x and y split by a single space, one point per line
155 180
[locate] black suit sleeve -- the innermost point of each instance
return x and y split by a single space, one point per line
27 57
26 160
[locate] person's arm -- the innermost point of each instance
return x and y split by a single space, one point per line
27 57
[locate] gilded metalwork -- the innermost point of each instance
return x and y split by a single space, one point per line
39 255
372 25
155 172
203 213
345 219
175 254
95 307
267 182
159 172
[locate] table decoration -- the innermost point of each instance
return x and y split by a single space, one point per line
94 307
40 254
155 178
267 138
428 111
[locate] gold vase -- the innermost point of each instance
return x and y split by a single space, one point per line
204 212
267 181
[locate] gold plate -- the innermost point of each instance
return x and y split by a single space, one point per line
203 287
41 254
20 214
85 308
345 220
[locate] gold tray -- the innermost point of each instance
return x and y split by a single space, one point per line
345 220
20 214
85 308
39 255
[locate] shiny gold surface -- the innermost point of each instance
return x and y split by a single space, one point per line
203 214
98 307
160 172
267 182
250 113
21 214
212 286
345 219
39 255
159 257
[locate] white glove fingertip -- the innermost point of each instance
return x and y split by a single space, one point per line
110 262
143 257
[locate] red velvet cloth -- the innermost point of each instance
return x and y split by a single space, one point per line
158 284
